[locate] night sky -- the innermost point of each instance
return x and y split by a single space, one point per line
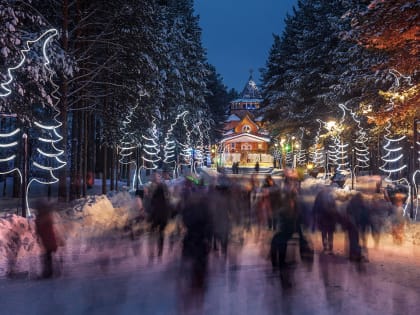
237 35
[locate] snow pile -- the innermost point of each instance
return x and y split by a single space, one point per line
18 241
101 217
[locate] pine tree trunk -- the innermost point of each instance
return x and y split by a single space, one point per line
85 152
74 155
80 152
105 168
112 174
62 175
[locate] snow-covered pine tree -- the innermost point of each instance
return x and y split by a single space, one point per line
46 158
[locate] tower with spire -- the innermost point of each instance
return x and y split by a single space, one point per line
244 139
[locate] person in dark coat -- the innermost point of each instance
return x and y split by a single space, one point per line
325 218
50 240
257 167
160 213
289 224
358 220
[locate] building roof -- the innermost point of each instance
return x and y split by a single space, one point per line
251 91
246 137
233 117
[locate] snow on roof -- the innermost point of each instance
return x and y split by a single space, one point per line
229 132
247 100
233 117
246 137
251 90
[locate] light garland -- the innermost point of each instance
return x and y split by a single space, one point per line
393 158
151 148
197 155
128 146
361 149
171 145
5 86
397 76
301 153
317 155
9 156
185 153
51 130
48 35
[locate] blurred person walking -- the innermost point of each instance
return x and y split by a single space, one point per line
49 236
273 194
325 218
357 223
160 213
289 228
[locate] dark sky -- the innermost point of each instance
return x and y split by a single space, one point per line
237 35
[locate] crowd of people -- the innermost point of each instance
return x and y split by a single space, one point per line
206 212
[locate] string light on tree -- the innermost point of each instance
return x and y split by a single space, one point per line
317 155
394 161
197 155
301 153
185 154
151 148
361 149
342 148
47 158
5 90
8 149
128 146
170 148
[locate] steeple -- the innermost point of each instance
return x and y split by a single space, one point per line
250 90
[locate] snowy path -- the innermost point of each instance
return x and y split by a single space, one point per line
119 277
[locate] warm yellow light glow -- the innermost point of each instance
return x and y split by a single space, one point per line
331 124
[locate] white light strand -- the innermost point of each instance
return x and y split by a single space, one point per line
393 159
185 153
395 87
151 148
197 155
127 146
317 154
52 130
361 149
5 86
169 149
342 152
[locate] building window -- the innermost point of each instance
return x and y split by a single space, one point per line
232 145
246 147
246 128
260 146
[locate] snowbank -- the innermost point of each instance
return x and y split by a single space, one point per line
18 245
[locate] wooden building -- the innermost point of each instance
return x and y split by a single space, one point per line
244 138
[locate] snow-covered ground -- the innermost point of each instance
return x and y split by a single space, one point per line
99 216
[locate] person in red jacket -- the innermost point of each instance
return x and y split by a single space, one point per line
50 240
